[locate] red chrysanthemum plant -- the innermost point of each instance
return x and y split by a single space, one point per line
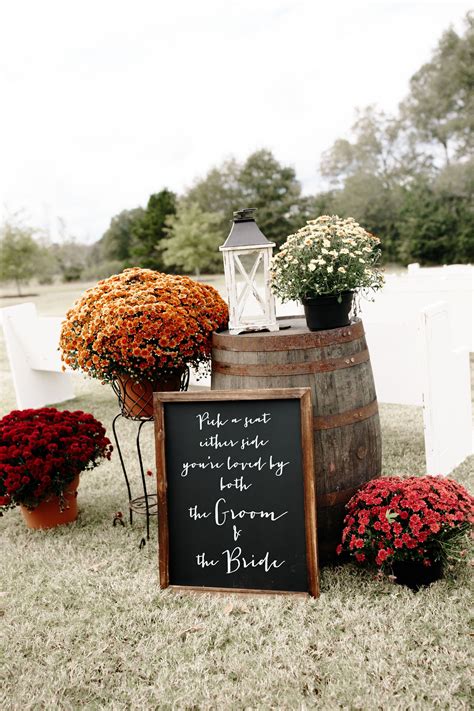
393 519
42 451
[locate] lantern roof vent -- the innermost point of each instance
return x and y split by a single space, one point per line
245 231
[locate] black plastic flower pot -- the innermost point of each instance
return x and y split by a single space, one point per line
328 310
415 575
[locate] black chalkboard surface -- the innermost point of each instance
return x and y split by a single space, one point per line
236 494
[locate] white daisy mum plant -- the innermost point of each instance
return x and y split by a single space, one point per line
329 255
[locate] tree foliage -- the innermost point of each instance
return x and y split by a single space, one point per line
437 218
193 240
409 178
149 230
219 192
19 253
72 258
276 193
116 241
369 173
261 182
440 105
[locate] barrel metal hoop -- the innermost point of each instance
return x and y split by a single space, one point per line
348 417
286 340
336 497
275 370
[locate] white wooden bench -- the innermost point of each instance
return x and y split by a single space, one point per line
32 344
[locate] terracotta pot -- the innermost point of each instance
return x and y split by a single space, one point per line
327 311
48 514
136 396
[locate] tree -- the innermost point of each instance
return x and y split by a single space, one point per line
71 255
219 192
193 240
116 241
276 193
436 221
440 106
409 179
381 147
18 253
369 173
46 264
261 182
320 204
149 231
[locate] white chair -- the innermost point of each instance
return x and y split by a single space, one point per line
32 344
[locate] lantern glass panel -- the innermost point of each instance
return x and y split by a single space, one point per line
250 286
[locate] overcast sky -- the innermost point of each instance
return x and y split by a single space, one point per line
107 101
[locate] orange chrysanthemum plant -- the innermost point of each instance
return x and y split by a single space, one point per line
144 325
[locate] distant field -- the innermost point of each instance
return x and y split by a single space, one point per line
51 298
56 299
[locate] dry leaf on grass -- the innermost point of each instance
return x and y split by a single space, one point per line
98 566
195 628
230 609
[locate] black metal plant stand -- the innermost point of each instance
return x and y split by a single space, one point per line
147 504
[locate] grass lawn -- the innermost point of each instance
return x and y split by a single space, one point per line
86 626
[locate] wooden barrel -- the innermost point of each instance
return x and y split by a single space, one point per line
336 366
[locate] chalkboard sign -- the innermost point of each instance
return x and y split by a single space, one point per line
236 493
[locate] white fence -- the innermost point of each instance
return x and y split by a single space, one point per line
414 363
421 287
420 331
446 391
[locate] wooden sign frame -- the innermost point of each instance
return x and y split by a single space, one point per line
307 463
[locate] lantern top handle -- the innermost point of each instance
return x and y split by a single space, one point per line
245 215
245 231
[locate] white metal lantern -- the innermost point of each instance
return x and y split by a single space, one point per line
247 254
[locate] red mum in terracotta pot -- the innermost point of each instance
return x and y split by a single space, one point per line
42 453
